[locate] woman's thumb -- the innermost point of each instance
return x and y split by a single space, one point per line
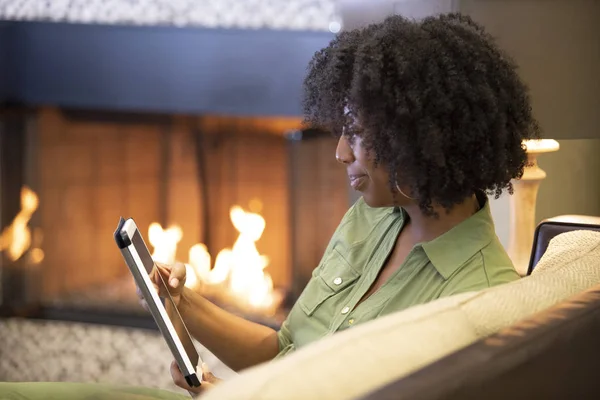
206 374
177 276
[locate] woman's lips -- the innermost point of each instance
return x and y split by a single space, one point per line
357 181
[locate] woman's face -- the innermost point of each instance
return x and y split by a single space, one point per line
370 180
365 176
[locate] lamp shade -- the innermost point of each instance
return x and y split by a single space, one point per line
556 44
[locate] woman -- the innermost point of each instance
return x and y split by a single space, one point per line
430 116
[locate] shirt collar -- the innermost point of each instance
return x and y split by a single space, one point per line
453 249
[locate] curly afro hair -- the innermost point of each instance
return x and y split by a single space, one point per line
439 105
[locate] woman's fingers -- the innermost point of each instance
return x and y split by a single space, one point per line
178 377
179 380
207 376
161 273
177 276
173 277
175 273
162 269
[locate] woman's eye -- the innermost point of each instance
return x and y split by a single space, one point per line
352 133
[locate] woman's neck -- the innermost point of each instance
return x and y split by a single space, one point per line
423 228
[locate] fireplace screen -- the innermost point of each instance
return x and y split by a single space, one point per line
248 204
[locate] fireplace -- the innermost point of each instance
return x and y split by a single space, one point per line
207 185
187 177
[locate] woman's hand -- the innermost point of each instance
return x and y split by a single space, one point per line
174 278
207 379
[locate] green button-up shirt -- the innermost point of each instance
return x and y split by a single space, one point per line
468 257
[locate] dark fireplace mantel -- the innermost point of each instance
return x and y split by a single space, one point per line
155 69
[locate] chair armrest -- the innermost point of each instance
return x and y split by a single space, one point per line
551 227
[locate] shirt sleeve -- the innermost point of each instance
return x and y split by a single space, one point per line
284 336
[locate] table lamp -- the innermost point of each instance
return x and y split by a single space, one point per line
523 203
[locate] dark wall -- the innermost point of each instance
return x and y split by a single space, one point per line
6 68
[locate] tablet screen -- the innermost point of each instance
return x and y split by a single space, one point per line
141 248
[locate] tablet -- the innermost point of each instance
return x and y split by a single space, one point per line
140 263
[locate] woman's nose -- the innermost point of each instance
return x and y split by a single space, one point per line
343 152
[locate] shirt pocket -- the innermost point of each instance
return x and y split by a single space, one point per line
334 276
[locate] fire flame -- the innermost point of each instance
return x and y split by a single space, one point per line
164 242
243 266
240 269
16 238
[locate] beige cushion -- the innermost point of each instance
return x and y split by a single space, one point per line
357 361
566 248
